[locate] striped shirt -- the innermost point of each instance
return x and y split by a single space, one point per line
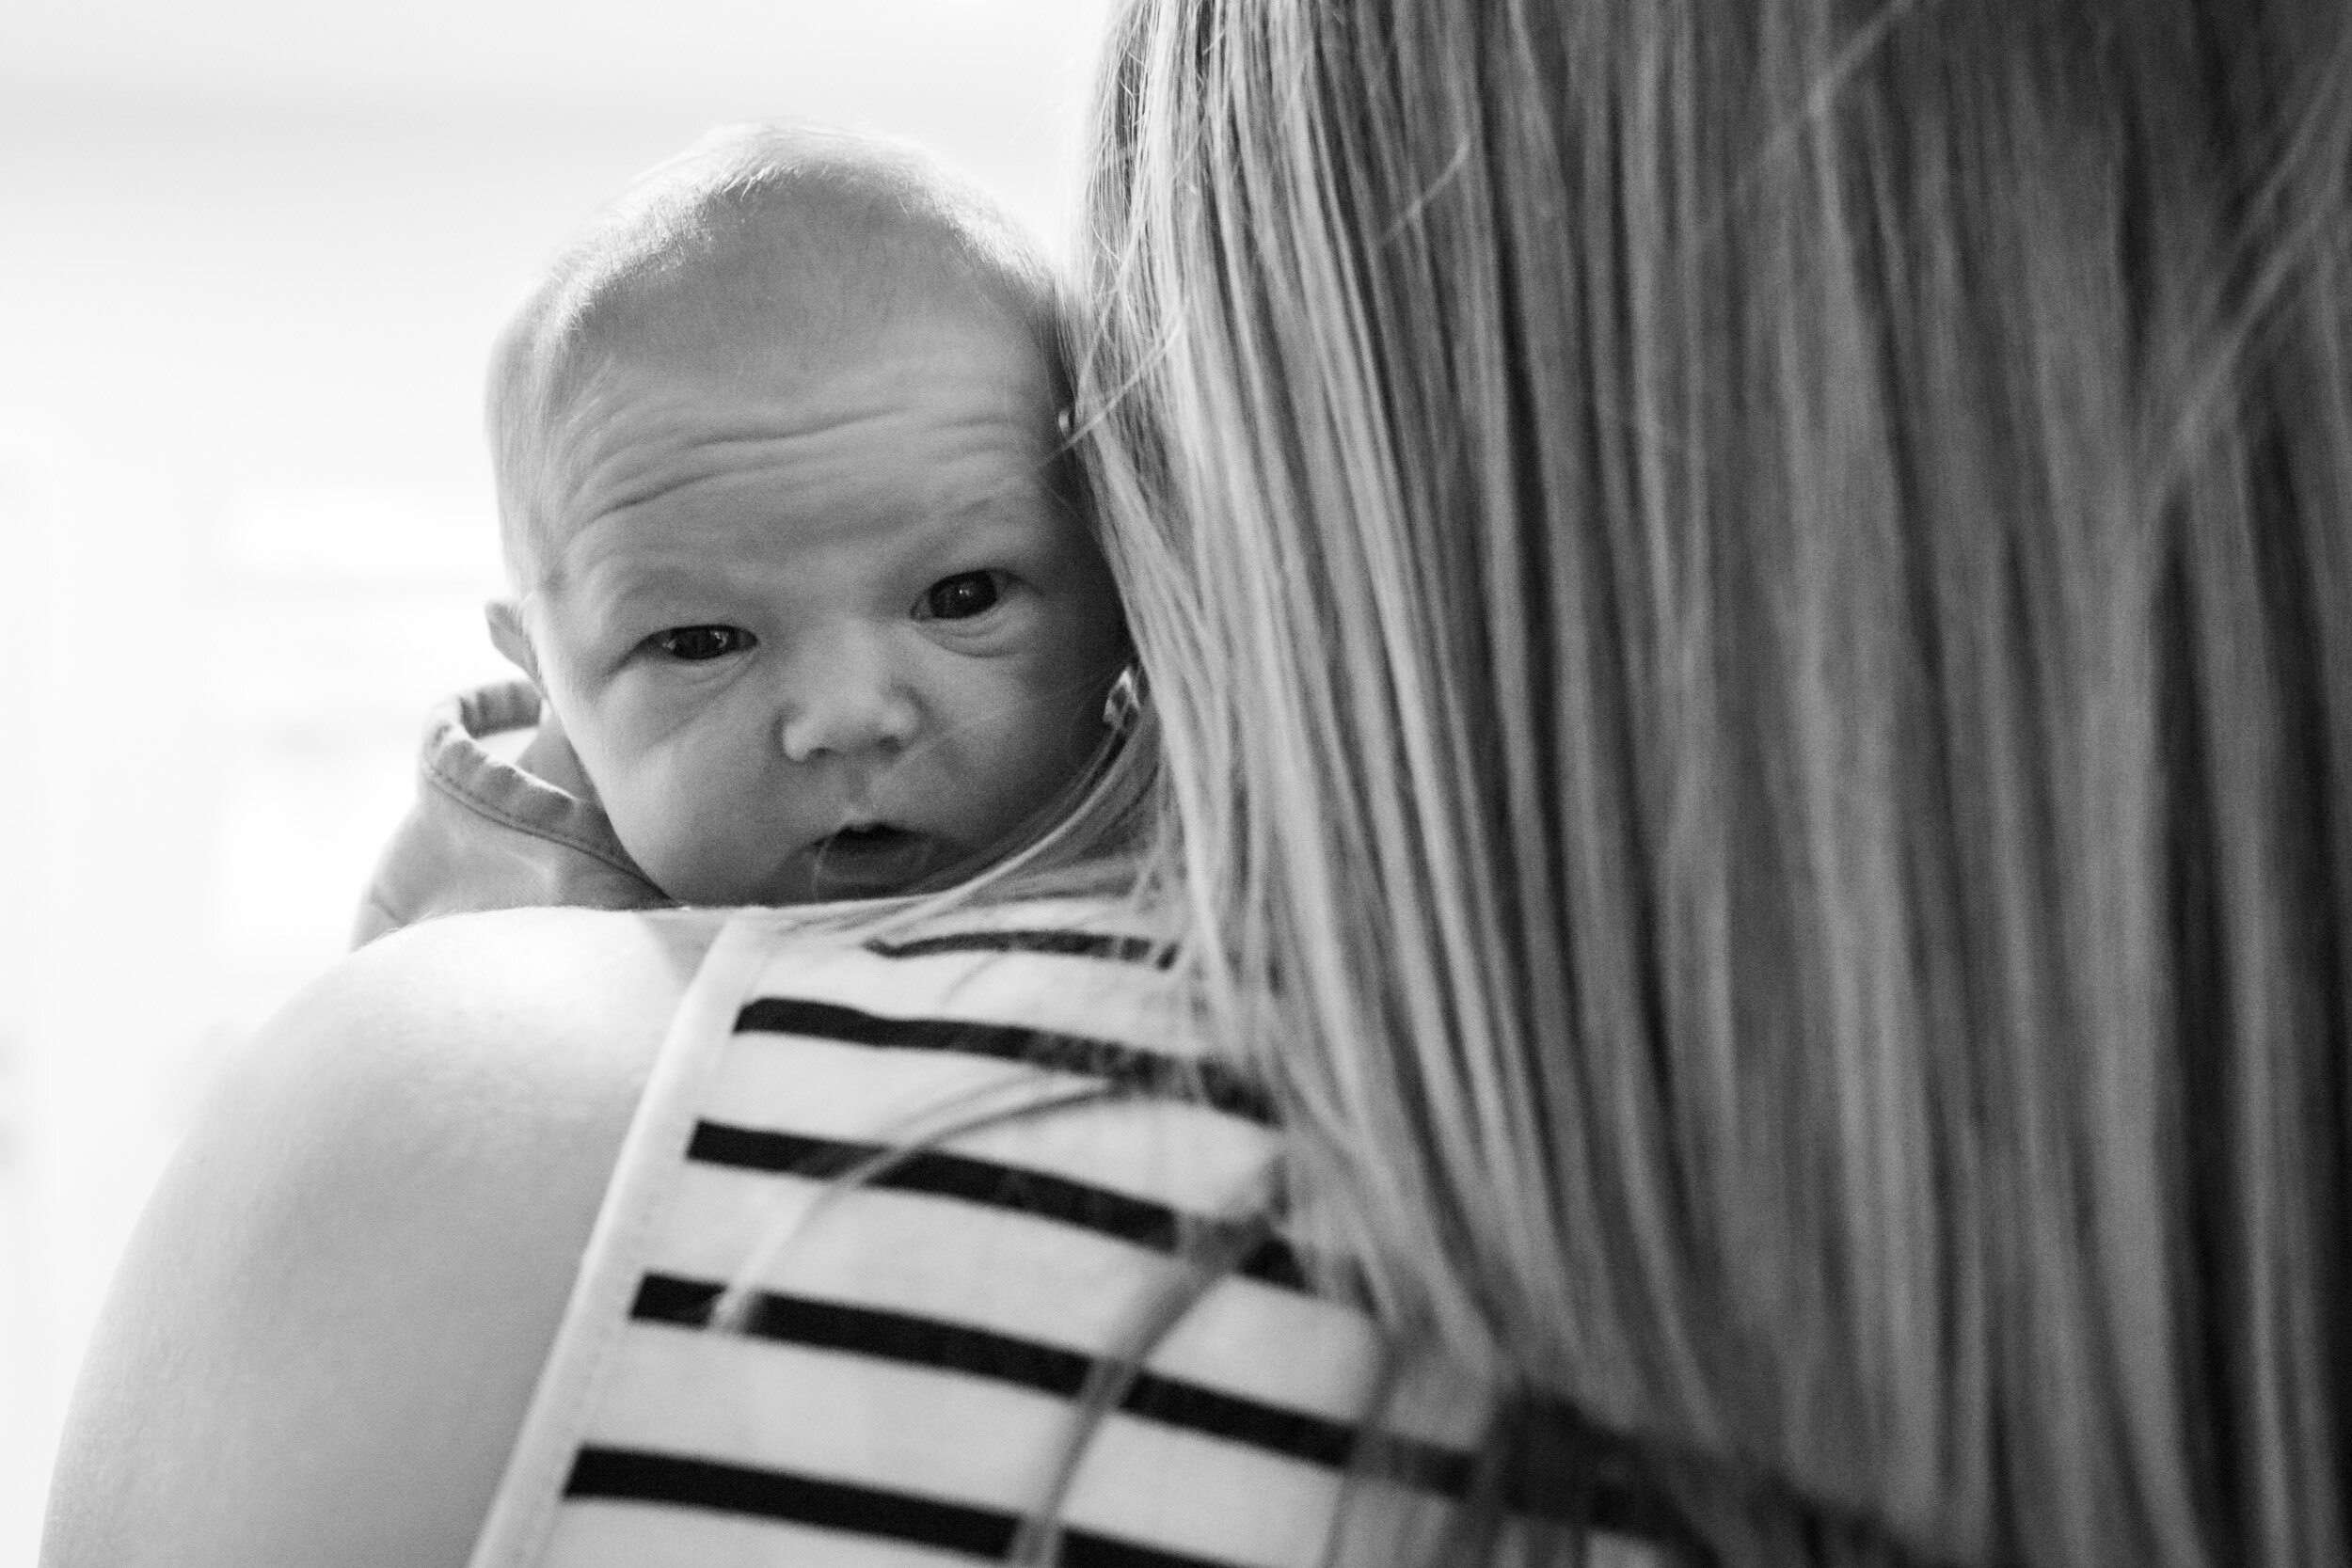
942 1183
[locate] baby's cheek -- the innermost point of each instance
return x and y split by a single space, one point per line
1065 696
1038 749
643 818
657 808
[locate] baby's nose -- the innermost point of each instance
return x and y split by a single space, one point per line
845 700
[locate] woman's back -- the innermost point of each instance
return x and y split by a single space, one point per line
892 1217
942 1245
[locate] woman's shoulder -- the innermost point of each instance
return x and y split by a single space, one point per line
326 1331
351 1272
466 1047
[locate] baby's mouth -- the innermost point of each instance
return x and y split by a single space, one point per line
869 857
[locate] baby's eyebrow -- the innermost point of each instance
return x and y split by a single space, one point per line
616 592
1003 510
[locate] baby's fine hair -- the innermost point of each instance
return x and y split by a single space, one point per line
752 223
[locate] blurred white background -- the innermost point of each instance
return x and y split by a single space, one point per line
252 254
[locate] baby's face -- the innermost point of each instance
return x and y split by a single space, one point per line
827 633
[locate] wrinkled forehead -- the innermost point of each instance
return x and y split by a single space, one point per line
854 399
767 255
923 419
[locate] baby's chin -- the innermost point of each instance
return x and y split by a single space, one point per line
864 862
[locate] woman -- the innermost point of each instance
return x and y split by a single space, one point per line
1749 634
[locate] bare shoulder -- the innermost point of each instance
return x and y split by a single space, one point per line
326 1329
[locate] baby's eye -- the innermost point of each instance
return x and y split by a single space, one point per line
696 644
959 597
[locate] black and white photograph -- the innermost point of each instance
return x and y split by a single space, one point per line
1176 784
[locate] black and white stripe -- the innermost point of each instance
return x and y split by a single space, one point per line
1063 944
935 1173
1610 1492
683 1480
1125 1067
821 1117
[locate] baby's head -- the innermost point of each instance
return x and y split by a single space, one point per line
796 562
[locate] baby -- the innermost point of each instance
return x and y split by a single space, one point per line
798 577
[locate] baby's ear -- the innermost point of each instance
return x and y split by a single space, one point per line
509 636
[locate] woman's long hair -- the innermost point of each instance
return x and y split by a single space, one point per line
1749 608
